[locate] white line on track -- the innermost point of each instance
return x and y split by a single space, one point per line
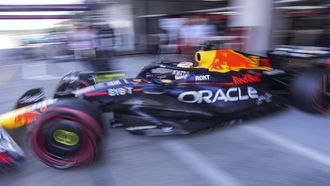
200 165
290 145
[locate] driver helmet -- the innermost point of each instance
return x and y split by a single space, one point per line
182 74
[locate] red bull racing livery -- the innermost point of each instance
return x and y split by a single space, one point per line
175 98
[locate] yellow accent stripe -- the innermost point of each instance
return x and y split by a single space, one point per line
7 120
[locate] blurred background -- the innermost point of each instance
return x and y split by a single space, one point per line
40 41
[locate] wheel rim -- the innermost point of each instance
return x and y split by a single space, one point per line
62 137
86 149
66 137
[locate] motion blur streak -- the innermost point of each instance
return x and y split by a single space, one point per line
289 144
282 147
200 165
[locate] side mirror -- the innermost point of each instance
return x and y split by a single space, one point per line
30 97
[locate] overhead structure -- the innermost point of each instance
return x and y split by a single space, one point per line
4 9
48 7
256 21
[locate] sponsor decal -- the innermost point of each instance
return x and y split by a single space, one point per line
180 74
113 83
42 106
264 98
120 91
246 78
207 96
227 60
27 117
202 78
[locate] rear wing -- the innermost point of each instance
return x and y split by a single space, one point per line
297 58
306 52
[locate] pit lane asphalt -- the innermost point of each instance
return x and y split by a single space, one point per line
287 148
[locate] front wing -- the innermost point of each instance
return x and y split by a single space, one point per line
10 153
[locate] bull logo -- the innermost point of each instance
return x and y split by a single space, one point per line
27 117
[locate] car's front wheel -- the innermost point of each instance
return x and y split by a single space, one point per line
67 134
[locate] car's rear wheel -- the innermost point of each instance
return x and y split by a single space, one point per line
310 91
67 134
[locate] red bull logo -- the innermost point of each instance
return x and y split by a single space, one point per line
228 60
231 60
246 78
26 118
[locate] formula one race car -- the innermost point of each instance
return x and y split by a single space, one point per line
164 99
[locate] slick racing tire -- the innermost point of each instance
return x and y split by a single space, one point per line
67 134
310 91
